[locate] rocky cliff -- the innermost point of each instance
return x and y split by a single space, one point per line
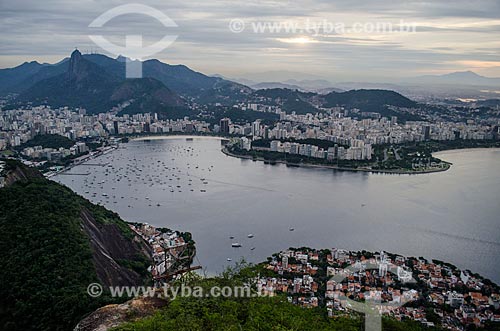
55 243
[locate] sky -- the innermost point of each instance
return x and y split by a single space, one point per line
338 40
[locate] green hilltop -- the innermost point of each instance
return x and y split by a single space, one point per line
50 255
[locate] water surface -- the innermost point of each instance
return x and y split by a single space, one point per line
452 216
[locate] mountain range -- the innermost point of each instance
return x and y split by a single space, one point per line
467 78
98 84
318 86
85 84
307 82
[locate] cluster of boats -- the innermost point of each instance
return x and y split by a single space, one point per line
163 167
238 245
127 173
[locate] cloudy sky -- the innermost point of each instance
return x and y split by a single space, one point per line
334 39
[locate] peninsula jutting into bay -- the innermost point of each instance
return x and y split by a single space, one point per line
249 165
350 210
184 164
397 159
417 293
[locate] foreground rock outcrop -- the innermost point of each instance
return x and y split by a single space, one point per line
54 245
111 316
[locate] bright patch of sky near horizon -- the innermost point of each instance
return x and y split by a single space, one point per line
457 36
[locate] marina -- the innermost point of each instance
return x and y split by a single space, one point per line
295 207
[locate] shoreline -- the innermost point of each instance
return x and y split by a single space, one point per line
298 165
462 150
90 157
174 136
334 167
85 158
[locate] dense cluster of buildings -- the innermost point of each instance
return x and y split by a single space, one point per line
358 135
357 151
445 295
339 125
18 126
52 154
165 245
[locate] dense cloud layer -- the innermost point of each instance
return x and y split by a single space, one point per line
462 35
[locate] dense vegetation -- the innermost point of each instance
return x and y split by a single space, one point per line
151 95
242 117
435 146
372 101
368 100
99 77
93 87
46 258
243 313
289 100
48 141
410 153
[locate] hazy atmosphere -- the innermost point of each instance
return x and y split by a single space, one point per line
249 165
337 40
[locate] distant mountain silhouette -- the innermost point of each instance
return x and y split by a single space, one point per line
178 78
97 82
290 100
12 77
272 85
99 88
371 101
319 86
458 78
366 99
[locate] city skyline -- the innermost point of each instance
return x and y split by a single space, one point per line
216 165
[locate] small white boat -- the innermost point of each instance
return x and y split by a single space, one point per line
250 235
235 245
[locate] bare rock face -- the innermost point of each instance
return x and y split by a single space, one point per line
21 173
109 246
111 316
75 65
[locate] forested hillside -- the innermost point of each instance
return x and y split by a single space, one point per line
49 255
